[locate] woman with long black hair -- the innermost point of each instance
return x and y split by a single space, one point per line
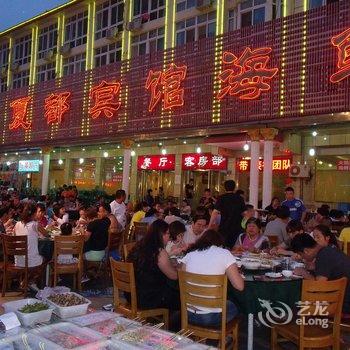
153 268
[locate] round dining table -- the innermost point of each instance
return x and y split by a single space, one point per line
258 287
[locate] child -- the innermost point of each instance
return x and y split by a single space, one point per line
247 214
66 230
176 245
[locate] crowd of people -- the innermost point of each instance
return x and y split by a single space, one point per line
204 238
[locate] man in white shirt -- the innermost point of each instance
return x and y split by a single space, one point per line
194 231
118 208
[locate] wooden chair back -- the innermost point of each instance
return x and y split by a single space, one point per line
124 281
15 246
127 249
348 248
140 230
68 245
273 240
331 295
202 291
114 239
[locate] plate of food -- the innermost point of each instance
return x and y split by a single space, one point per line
273 274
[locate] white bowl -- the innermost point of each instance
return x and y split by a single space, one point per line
251 265
287 273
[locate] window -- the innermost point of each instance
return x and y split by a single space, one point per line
23 49
108 54
317 3
3 84
74 64
20 79
195 28
149 9
109 14
183 5
46 72
4 54
252 12
76 29
232 20
47 40
151 41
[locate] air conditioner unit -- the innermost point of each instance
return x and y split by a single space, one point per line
203 5
49 55
14 67
65 49
113 33
299 170
3 72
134 25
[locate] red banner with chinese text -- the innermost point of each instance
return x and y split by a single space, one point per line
156 162
343 165
278 164
203 161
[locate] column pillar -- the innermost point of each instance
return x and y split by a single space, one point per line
178 175
126 165
46 169
254 167
67 169
98 170
268 134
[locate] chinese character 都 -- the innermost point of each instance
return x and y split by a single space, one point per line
189 161
243 165
342 43
277 164
217 160
166 84
146 163
105 96
19 113
248 75
55 106
202 161
162 161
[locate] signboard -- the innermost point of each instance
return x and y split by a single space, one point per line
29 166
343 165
278 164
156 162
203 161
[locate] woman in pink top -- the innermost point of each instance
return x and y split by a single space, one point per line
252 239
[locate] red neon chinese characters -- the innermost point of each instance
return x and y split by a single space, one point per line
105 96
55 106
342 43
19 113
170 82
247 76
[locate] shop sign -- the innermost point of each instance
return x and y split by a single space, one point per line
28 166
278 164
203 161
343 165
156 162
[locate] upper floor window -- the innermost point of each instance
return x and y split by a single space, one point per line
47 40
183 5
232 20
149 9
252 12
196 28
317 3
4 54
3 84
109 14
151 41
46 72
108 54
76 29
20 79
23 49
74 64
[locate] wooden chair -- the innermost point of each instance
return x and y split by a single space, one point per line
348 248
273 240
17 246
140 230
68 245
127 249
206 291
306 336
124 280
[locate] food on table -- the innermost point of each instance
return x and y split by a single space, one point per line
36 307
92 318
114 326
66 299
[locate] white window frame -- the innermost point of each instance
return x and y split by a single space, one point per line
159 10
196 26
3 84
108 7
4 54
20 79
232 19
107 51
251 9
73 23
187 3
46 72
74 64
49 37
147 38
22 49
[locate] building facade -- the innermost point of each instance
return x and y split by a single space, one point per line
90 84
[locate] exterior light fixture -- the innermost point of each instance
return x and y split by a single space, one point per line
312 152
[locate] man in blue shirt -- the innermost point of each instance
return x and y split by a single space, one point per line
295 205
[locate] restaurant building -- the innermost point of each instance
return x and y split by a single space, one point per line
162 93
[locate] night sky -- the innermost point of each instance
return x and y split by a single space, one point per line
16 11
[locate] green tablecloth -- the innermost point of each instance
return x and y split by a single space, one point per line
288 292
